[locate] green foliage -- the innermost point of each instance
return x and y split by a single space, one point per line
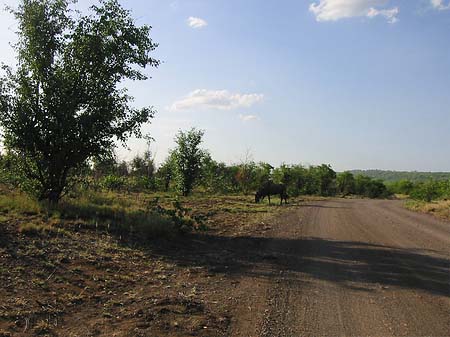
430 190
401 187
218 177
295 178
246 176
63 106
8 175
423 190
393 176
371 188
104 164
187 159
143 166
112 182
325 178
345 183
165 174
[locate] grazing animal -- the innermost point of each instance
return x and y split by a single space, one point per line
269 189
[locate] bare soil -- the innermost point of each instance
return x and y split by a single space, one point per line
341 267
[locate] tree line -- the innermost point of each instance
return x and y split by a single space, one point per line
394 176
428 190
189 167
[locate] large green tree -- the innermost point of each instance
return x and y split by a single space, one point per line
62 103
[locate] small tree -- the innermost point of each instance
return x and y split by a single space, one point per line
426 191
325 178
345 183
143 166
245 176
187 159
62 105
165 173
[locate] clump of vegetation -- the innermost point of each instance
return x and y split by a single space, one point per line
423 191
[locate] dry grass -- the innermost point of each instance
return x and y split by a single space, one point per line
438 208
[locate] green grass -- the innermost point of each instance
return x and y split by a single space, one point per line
19 203
119 213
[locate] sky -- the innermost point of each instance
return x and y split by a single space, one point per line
358 84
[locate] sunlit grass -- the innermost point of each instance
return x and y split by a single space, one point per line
121 213
19 203
439 208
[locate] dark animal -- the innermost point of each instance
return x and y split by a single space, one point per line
269 189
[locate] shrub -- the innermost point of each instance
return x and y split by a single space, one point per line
370 188
427 191
112 182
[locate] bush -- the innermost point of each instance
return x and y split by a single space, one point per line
401 187
370 188
428 191
112 182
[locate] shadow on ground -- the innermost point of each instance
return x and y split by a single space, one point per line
356 265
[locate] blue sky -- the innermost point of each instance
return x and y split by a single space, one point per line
352 83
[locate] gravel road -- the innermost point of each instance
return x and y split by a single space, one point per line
348 267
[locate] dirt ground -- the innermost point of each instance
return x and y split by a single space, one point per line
340 267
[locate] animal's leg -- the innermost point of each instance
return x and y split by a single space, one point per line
269 198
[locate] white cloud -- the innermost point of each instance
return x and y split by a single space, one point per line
333 10
389 14
440 5
196 22
248 118
215 99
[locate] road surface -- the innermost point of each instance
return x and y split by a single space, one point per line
348 267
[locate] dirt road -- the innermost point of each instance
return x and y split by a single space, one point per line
346 268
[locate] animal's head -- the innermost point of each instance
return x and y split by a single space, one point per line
257 197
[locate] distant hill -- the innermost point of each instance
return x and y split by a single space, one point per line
390 176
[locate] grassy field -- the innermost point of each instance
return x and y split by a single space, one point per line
106 264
